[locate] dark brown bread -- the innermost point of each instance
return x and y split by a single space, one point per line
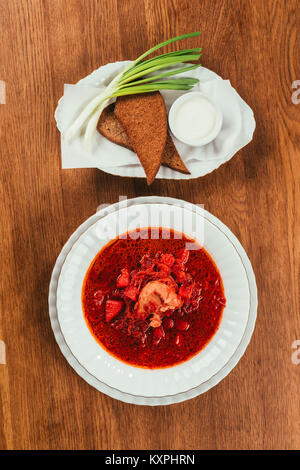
144 119
171 157
112 129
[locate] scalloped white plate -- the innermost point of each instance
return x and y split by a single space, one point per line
134 384
237 129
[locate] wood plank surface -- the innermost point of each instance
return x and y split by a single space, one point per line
44 44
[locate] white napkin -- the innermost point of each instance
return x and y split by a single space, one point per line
237 129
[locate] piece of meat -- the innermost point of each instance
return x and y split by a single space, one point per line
155 320
156 298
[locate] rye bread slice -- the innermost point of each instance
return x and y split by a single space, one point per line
112 129
171 157
144 118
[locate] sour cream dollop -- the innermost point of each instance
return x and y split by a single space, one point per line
194 119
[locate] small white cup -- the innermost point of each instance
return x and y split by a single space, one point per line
207 138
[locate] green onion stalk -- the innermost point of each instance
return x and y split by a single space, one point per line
135 79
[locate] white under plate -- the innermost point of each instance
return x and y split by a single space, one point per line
138 385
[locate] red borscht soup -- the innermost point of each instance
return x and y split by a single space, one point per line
150 301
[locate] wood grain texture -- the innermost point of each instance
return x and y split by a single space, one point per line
44 44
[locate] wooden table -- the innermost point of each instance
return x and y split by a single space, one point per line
44 44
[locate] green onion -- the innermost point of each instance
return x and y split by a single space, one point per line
149 67
187 81
131 81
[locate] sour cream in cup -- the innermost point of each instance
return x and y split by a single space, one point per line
194 119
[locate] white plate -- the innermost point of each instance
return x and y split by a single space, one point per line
237 129
138 385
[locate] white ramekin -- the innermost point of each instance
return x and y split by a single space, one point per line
209 137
